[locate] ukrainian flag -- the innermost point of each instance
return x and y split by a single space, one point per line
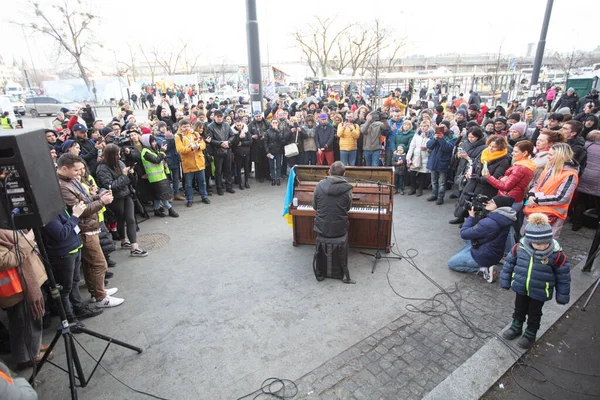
289 195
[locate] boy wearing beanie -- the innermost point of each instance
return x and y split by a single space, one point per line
535 268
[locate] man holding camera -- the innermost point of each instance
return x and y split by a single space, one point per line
485 232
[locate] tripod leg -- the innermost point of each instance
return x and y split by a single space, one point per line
82 381
593 253
591 294
39 366
69 354
109 339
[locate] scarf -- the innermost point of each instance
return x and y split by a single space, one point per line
527 163
488 156
538 254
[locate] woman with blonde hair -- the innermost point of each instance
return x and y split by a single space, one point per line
554 188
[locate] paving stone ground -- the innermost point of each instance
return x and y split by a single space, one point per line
414 353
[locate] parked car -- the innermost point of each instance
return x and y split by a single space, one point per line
48 105
17 106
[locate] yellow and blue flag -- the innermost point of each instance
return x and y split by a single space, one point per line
289 195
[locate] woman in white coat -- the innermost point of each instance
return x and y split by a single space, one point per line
416 158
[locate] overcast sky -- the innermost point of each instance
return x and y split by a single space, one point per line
217 29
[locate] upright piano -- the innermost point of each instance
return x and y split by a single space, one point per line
364 212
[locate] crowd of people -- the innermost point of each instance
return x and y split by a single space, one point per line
500 165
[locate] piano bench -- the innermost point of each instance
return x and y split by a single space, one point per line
331 257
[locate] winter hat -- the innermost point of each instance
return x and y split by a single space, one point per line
473 107
255 113
146 139
105 131
538 229
400 146
462 112
515 116
447 124
519 127
323 116
64 110
501 119
146 130
67 145
161 124
503 201
471 124
539 103
79 127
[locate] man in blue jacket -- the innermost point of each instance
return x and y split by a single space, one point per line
486 239
441 145
61 238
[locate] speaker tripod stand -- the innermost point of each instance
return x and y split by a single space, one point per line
64 332
377 256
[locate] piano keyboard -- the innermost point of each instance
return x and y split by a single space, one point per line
363 210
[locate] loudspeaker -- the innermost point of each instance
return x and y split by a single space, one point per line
29 189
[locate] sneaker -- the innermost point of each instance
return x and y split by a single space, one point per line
109 292
86 312
402 193
173 213
159 213
511 333
490 275
76 326
206 200
108 274
109 301
527 340
126 245
138 253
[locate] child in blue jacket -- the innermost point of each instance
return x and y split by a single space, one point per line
534 269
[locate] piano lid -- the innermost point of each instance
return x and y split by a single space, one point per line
317 172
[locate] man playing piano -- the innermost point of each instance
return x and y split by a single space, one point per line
332 200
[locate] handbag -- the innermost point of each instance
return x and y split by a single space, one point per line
291 150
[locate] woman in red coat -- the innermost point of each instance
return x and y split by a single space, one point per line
515 182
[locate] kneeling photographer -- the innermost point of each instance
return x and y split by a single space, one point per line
485 232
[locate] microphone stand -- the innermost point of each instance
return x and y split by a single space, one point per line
377 256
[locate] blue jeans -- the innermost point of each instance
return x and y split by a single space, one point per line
463 260
438 184
175 171
275 165
200 179
371 158
165 203
348 157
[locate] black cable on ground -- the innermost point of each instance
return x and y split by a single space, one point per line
432 310
274 388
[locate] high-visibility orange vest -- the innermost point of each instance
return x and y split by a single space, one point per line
550 186
10 282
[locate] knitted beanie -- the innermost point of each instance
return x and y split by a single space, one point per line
503 201
538 229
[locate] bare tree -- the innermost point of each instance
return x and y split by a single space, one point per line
130 63
69 24
189 60
317 42
169 60
570 61
151 65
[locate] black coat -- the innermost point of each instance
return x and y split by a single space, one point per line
274 142
478 185
89 153
290 137
106 241
118 183
220 133
242 145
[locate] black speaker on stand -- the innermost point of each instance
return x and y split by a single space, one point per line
30 197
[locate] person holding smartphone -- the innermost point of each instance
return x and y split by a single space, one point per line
441 146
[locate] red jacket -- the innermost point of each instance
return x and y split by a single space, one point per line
516 180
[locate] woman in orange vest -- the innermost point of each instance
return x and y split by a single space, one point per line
25 329
553 190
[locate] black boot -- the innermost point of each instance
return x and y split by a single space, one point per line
278 182
241 186
515 330
246 185
159 213
173 213
456 221
527 340
229 189
272 182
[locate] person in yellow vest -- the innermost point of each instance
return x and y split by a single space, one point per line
17 250
153 159
5 121
553 190
190 146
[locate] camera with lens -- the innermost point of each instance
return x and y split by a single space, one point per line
477 203
122 140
